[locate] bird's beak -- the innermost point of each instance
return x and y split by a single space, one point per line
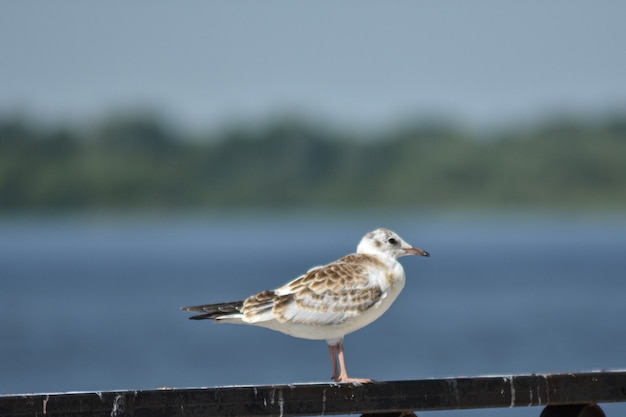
416 251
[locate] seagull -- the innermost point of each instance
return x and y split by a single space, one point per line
327 302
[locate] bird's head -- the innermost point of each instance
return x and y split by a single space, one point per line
387 243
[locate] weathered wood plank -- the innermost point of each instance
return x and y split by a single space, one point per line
328 399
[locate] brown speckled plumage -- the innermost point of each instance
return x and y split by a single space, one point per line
329 301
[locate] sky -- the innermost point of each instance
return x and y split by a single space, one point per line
204 63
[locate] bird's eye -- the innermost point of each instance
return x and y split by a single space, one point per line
392 241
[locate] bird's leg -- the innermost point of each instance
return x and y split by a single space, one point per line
333 357
343 376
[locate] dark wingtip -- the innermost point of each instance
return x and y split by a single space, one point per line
212 311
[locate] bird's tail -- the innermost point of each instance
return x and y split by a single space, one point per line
215 311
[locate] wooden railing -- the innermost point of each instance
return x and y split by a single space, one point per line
561 395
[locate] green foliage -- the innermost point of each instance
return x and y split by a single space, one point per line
140 162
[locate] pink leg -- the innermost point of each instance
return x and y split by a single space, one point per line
343 376
333 357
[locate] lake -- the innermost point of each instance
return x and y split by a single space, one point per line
92 302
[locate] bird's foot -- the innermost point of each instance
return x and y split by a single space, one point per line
346 379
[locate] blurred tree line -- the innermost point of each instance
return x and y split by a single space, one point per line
138 161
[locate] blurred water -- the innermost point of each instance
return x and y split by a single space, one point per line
92 304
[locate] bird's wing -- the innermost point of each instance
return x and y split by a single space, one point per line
325 295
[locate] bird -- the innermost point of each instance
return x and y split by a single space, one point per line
327 302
